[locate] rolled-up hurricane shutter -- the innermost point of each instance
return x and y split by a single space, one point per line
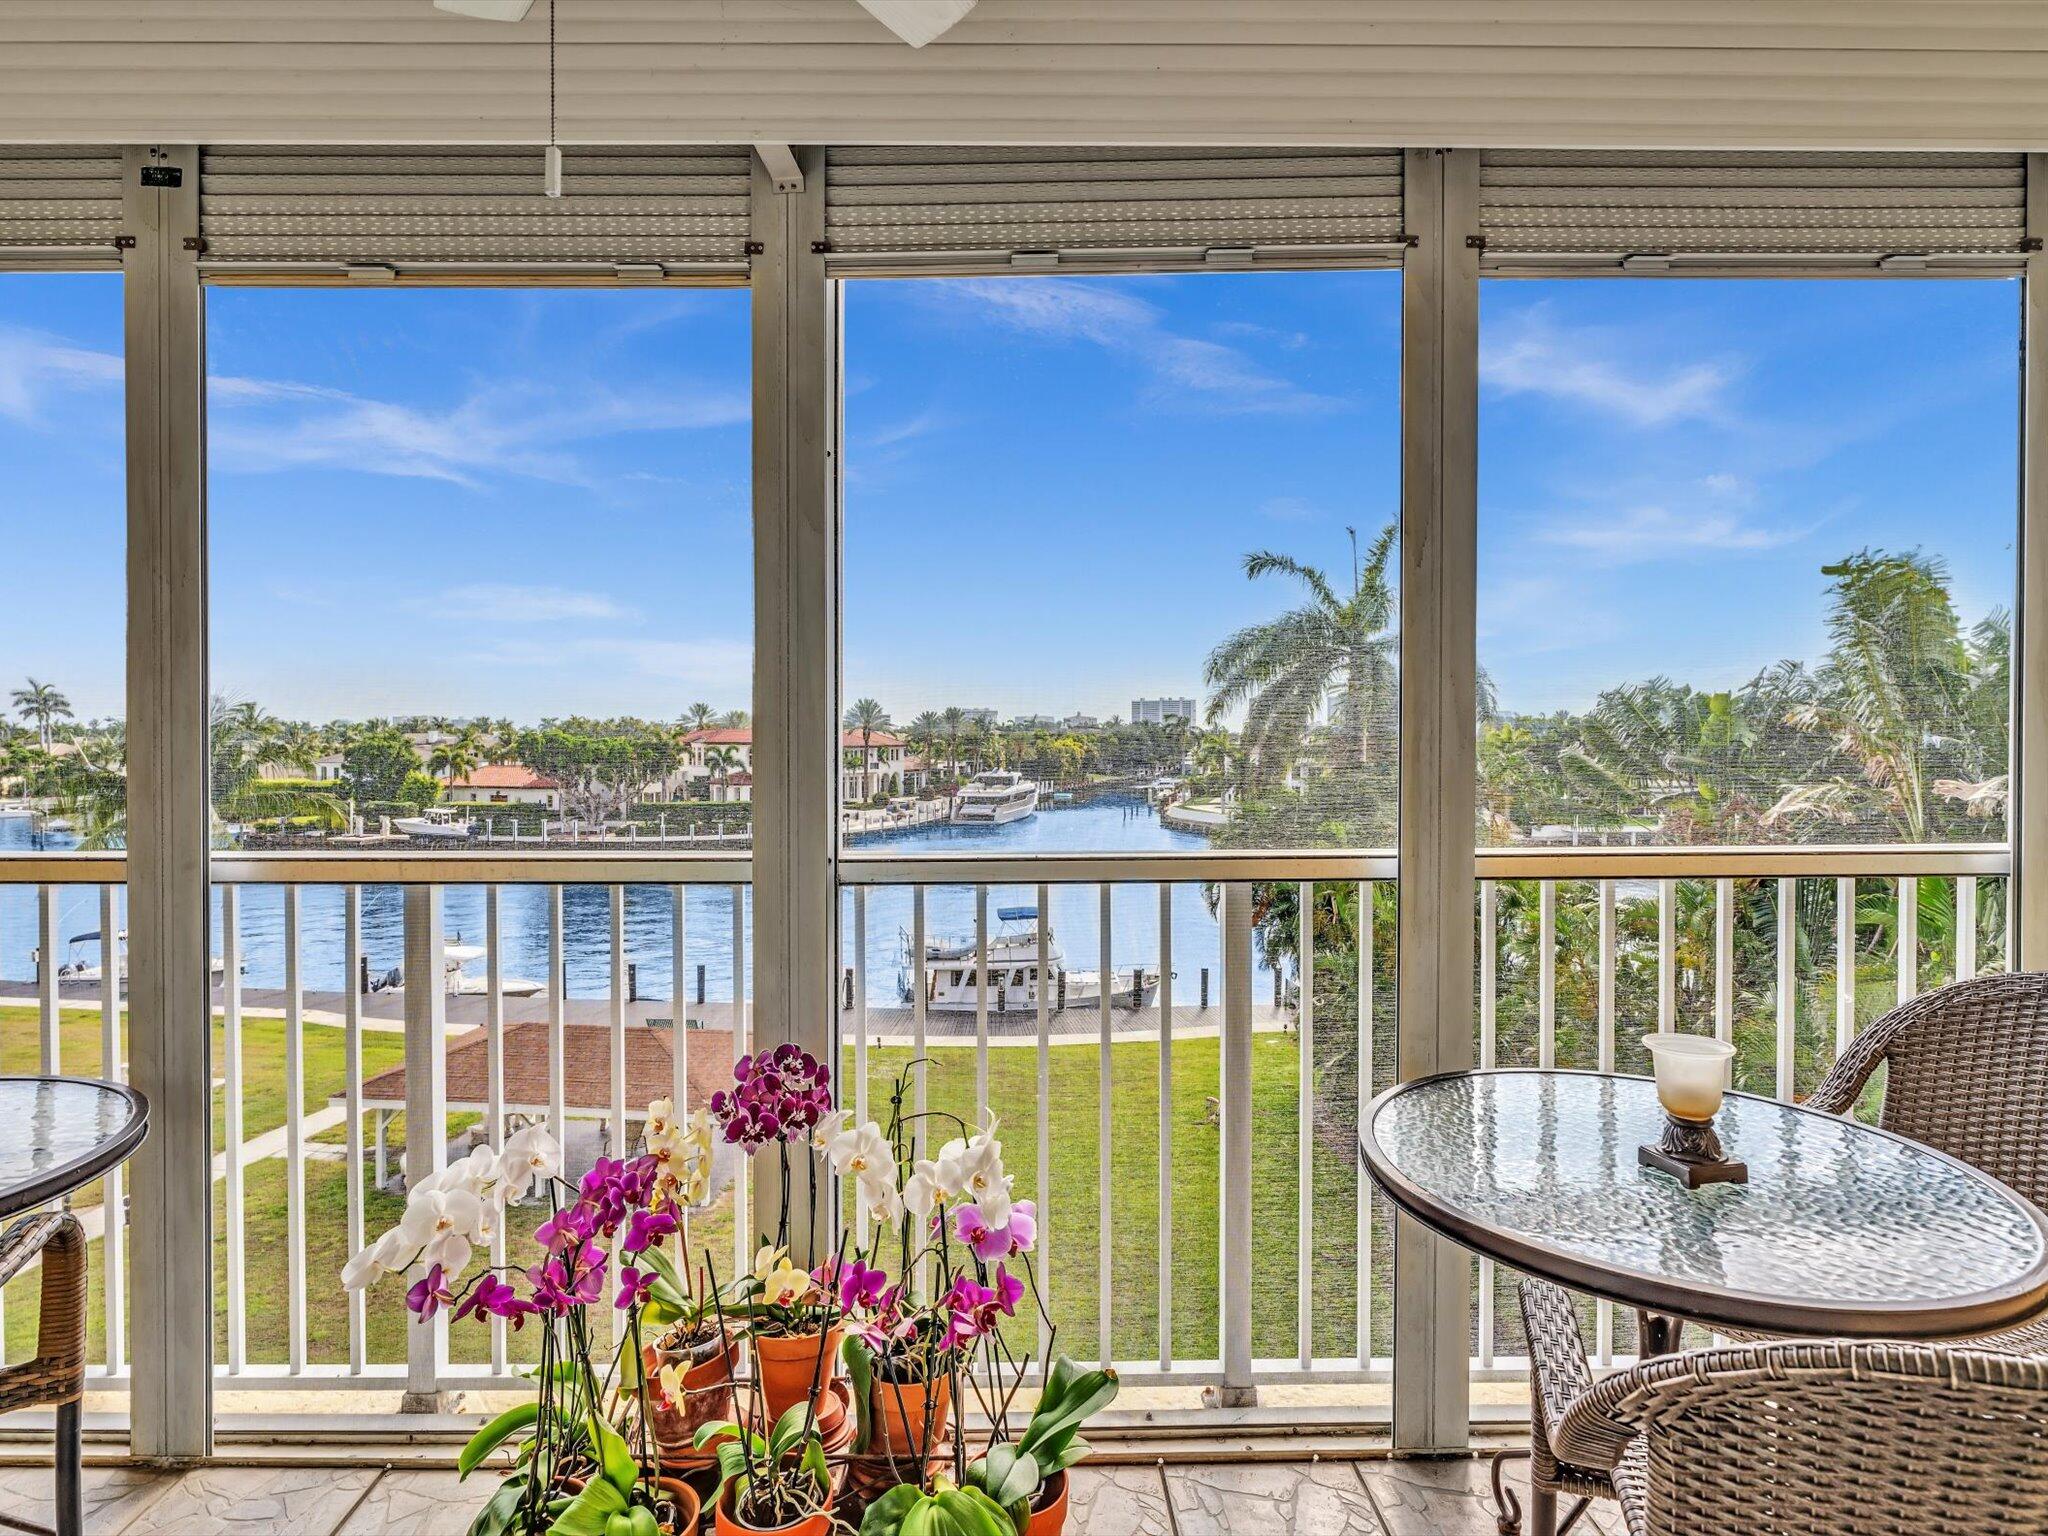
58 198
1540 202
1000 202
684 207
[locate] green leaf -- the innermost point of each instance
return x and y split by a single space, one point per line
860 1371
1020 1479
885 1515
718 1429
621 1466
590 1511
663 1266
495 1434
500 1510
788 1430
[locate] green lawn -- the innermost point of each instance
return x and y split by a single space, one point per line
1070 1222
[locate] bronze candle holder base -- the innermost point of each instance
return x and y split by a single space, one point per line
1691 1153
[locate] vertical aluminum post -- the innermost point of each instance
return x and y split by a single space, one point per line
796 636
1235 1260
426 1115
1439 439
171 1258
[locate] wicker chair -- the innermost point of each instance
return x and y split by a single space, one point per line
55 1378
1793 1439
1966 1072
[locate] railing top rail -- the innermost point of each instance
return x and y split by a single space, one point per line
1093 868
380 867
1692 863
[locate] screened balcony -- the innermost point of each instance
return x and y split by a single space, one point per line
1148 622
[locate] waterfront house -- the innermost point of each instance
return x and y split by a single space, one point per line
504 784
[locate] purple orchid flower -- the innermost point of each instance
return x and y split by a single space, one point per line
429 1294
646 1228
633 1287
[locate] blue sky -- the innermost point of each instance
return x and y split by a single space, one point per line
534 503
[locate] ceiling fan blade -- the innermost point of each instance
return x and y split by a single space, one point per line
917 22
487 10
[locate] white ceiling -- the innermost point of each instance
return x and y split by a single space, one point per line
1599 73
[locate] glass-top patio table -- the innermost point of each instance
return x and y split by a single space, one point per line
1842 1229
57 1134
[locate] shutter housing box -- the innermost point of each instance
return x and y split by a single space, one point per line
1859 208
684 207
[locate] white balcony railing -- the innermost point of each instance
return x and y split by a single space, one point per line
1115 1101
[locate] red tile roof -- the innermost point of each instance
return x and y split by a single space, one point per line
504 776
586 1067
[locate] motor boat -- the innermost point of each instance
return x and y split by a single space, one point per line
995 798
435 822
950 975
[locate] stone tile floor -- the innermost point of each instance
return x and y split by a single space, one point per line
1261 1498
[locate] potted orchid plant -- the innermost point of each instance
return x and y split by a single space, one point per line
779 1099
574 1472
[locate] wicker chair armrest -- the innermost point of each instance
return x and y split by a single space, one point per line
21 1242
57 1373
1560 1375
1837 1091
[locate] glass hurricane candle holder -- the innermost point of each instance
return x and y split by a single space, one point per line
1692 1076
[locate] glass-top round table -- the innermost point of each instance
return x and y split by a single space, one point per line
1842 1229
59 1133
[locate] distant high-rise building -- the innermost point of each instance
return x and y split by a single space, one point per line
1156 711
979 716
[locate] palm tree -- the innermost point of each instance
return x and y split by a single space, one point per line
1334 655
735 719
1889 698
926 732
459 758
951 718
698 715
866 716
43 704
721 761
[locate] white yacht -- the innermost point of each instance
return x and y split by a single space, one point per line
951 979
436 821
995 798
461 983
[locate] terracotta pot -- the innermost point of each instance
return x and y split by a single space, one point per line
1049 1511
726 1523
787 1366
689 1507
707 1396
897 1412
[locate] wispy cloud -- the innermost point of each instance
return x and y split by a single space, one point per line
527 430
905 430
1526 353
1186 371
506 603
1638 534
35 366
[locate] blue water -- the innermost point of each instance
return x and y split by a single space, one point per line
1104 826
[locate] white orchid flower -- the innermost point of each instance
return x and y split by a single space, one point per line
880 1197
983 1180
531 1157
862 1151
442 1225
921 1192
830 1129
376 1260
